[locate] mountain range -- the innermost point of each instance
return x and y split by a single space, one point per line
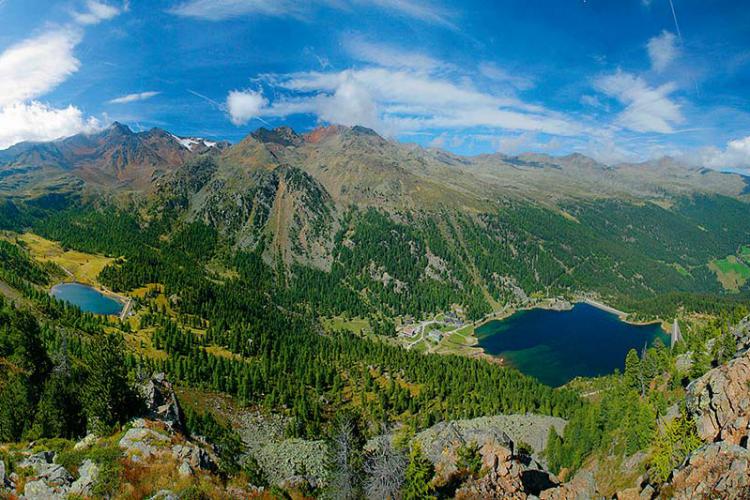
484 222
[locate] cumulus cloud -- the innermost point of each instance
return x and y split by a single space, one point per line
218 10
662 50
140 96
37 65
647 109
35 121
244 105
736 155
32 68
96 12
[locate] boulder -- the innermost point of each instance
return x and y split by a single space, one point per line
719 402
581 487
86 442
87 475
141 443
54 475
194 456
165 495
717 470
3 479
184 470
39 490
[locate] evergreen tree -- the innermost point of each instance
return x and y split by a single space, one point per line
108 396
419 472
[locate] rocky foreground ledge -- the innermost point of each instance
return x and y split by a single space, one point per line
156 442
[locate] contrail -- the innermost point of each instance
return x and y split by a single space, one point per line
676 24
682 43
215 104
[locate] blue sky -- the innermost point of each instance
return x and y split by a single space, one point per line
614 79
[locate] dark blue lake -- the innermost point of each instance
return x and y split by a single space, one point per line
87 298
557 346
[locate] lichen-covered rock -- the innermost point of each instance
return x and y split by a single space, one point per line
719 402
165 495
88 472
86 442
141 443
717 470
185 470
39 490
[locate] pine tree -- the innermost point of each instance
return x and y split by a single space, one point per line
419 472
108 397
633 375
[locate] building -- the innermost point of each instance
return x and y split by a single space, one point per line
435 335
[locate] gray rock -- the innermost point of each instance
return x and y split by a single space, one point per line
140 443
39 490
87 475
184 470
86 442
43 457
531 429
3 479
161 401
165 495
196 457
54 475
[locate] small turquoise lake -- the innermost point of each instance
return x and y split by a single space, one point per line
87 298
557 346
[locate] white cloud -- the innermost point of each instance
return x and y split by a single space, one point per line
498 74
37 65
389 56
96 12
35 121
736 155
647 109
217 10
140 96
32 68
245 105
398 101
662 50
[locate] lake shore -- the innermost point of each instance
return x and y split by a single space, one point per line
469 345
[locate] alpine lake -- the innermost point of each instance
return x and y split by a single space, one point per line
87 298
557 346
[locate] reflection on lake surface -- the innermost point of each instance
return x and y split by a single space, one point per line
557 346
87 298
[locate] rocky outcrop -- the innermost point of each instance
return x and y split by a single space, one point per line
505 476
717 470
530 429
581 487
719 402
161 402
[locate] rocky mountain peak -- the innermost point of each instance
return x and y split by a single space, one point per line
118 128
283 136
